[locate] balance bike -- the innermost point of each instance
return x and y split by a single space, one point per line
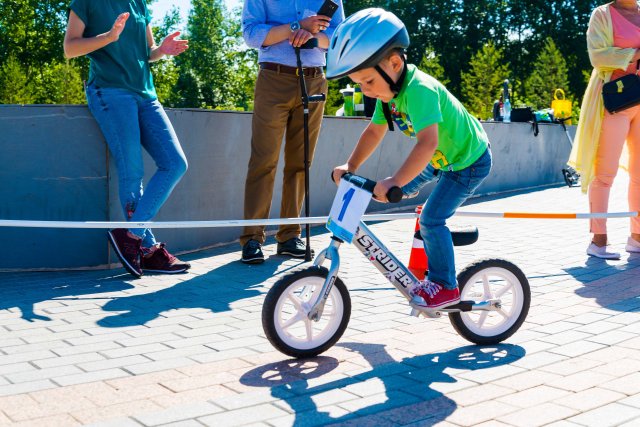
306 312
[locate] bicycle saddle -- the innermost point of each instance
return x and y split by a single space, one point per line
462 236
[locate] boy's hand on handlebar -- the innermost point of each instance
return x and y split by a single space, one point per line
338 171
382 188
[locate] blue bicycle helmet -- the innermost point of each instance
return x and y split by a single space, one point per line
363 40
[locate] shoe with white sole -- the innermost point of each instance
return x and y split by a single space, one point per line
633 246
601 252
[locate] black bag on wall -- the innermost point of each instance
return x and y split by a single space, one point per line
522 114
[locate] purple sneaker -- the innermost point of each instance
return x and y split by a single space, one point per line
128 247
157 259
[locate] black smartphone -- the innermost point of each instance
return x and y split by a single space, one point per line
328 8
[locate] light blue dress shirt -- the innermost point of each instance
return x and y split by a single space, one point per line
259 16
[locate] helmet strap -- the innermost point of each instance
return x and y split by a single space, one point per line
395 88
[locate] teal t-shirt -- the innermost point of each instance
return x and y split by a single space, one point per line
424 101
125 63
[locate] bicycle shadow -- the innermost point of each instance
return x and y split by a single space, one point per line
409 395
612 285
23 291
215 290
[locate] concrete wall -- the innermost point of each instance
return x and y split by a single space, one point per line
55 166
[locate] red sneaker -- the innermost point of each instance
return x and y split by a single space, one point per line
157 259
428 294
127 246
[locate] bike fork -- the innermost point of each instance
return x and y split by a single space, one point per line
331 253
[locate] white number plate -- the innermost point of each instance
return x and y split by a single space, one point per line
348 207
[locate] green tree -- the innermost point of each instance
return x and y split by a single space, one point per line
548 73
483 82
215 72
335 100
14 87
430 64
165 72
59 83
530 23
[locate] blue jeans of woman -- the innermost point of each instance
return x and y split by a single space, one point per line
450 192
130 122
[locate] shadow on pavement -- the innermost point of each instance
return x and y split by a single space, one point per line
407 385
215 291
612 284
24 290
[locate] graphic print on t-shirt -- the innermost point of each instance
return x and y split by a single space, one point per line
439 160
403 121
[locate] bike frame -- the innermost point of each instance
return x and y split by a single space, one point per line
390 267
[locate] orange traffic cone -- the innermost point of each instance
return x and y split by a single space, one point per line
418 257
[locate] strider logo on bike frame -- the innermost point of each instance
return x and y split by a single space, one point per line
383 260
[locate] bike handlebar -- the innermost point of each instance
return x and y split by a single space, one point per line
394 195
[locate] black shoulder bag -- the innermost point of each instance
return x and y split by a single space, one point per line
622 93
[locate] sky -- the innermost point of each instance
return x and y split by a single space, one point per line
160 7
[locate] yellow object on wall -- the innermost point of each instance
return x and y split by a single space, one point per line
561 106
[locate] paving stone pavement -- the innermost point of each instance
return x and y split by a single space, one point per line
103 349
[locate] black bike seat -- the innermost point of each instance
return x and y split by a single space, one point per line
462 236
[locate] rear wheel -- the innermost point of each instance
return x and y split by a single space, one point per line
285 313
492 279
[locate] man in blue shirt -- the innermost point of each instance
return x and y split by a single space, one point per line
275 28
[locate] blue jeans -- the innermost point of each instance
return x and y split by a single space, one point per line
129 123
451 191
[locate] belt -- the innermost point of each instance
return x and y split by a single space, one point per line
285 69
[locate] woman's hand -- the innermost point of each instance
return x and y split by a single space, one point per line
118 27
382 188
173 47
338 171
315 24
299 37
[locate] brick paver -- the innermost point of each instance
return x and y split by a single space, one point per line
100 348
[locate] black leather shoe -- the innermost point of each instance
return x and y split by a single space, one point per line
294 247
252 252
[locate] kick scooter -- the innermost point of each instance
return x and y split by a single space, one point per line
306 312
571 177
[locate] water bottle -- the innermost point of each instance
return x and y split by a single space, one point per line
507 103
358 102
507 111
348 101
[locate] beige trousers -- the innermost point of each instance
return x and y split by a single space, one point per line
616 128
278 112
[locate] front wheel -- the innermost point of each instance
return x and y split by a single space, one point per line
492 279
285 313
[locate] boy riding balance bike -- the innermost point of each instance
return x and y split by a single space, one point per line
452 148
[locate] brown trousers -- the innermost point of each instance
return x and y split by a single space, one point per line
278 109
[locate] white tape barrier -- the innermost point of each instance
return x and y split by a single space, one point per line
304 220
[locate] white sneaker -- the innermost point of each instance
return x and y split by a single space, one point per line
601 252
633 246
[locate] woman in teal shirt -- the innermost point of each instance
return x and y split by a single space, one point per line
117 37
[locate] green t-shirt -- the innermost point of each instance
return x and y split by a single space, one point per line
424 101
125 63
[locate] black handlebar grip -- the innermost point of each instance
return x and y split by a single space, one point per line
394 195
